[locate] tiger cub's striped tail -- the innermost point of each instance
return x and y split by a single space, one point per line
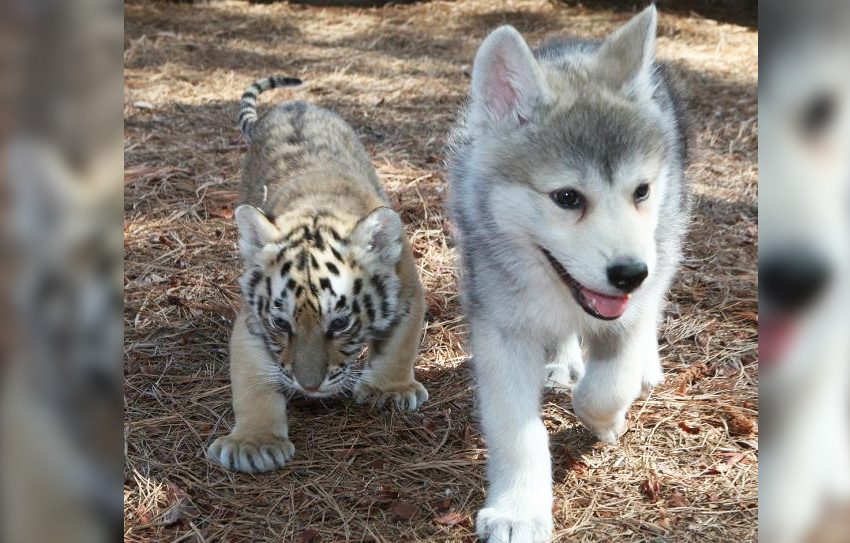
248 104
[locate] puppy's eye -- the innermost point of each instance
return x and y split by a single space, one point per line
818 114
567 198
339 324
642 192
280 324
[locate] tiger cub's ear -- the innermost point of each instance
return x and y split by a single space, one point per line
377 238
255 231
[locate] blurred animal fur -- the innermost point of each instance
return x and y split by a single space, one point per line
804 275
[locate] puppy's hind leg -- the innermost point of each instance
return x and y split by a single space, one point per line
566 366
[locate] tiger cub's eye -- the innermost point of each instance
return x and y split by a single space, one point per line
339 324
281 324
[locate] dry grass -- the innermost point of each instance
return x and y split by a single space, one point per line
686 470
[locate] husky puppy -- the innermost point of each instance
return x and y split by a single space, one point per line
568 193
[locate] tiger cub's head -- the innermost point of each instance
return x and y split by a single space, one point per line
319 288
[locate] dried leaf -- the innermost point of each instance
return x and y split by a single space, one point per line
751 316
430 426
175 492
452 519
310 535
725 465
403 510
739 424
651 488
677 499
687 377
574 464
733 458
441 506
297 500
222 211
664 519
386 495
180 508
693 430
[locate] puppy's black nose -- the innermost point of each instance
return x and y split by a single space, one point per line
627 276
793 279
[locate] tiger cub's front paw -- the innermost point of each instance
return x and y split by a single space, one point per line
251 453
406 398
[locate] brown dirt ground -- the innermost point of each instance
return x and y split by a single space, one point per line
686 470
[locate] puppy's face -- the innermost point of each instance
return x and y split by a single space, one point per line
804 215
573 156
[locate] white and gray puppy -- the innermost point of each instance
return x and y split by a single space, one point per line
568 193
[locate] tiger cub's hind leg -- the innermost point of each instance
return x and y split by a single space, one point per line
389 378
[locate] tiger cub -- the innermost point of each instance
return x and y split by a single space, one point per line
327 271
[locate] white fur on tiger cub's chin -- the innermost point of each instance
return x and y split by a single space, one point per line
547 169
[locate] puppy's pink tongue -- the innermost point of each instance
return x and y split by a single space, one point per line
775 338
609 307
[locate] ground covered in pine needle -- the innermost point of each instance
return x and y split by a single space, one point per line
687 468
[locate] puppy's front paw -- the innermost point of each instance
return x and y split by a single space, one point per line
406 398
251 454
498 525
608 430
653 375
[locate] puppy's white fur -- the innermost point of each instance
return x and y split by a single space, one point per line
512 148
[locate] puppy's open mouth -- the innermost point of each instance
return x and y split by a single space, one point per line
595 304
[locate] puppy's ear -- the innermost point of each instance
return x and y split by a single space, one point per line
627 55
377 238
507 82
255 231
